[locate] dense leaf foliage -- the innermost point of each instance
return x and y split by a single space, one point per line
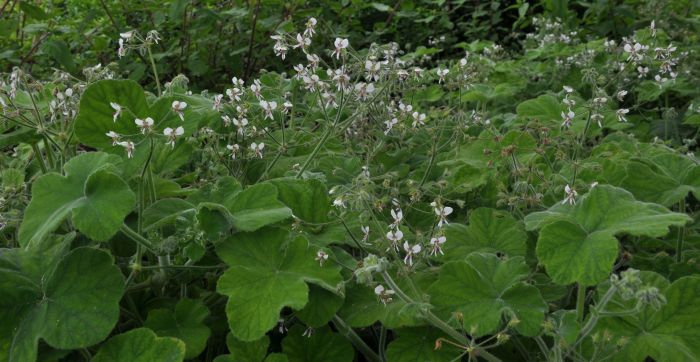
349 181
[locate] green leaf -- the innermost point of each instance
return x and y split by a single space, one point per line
253 351
577 243
73 303
141 345
272 272
95 116
32 10
489 231
545 108
257 206
322 346
167 211
362 308
186 323
485 290
308 199
97 198
418 345
322 306
665 178
668 334
60 52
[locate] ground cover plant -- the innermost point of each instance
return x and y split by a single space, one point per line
349 181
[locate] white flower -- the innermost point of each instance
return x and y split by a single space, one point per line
257 148
418 118
390 125
310 27
365 233
341 79
339 202
568 117
436 245
598 118
280 48
442 212
441 74
227 120
179 107
372 69
621 95
652 27
114 136
397 215
340 44
145 124
256 87
405 108
643 71
172 134
570 195
268 107
122 50
240 124
636 51
235 148
129 146
152 36
217 102
321 257
302 42
410 252
237 82
417 72
383 294
311 82
313 60
394 236
364 90
127 35
568 89
621 114
286 107
117 110
234 94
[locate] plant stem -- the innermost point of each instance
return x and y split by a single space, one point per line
681 233
588 327
382 343
136 237
356 341
155 71
438 323
39 157
325 136
430 164
580 301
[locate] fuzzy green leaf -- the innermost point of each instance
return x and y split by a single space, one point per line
97 198
490 231
486 289
322 346
267 273
73 304
668 334
186 323
577 242
141 345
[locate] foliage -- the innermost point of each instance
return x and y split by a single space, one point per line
349 181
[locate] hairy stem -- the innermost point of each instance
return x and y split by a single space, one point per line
356 341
